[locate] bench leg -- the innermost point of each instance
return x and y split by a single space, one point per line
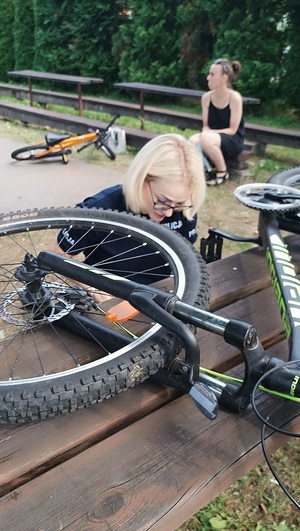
80 99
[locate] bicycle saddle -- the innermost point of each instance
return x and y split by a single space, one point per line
54 138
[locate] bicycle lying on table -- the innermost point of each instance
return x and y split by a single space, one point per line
95 351
60 144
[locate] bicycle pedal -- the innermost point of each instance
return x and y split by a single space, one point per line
121 312
205 400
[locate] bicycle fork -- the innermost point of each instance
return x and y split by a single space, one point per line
173 314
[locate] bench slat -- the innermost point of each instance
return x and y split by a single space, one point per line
153 475
58 438
136 138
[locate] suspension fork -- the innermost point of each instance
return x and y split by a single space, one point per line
173 314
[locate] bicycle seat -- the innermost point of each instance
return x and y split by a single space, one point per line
54 138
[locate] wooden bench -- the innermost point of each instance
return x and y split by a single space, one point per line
60 78
134 137
147 459
260 135
66 122
148 88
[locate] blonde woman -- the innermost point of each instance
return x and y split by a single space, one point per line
165 183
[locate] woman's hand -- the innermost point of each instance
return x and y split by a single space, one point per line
98 296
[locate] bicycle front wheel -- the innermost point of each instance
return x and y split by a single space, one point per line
290 177
106 150
58 351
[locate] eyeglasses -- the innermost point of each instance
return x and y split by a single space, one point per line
163 206
224 67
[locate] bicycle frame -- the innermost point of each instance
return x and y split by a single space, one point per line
173 314
284 279
65 143
56 144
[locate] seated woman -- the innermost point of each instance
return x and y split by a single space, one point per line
222 136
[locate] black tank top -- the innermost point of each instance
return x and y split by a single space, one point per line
220 119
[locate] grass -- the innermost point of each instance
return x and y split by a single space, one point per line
255 502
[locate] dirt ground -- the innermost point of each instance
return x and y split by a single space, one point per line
51 183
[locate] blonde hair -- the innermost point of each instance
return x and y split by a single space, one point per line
170 157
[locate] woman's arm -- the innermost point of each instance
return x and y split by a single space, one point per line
205 105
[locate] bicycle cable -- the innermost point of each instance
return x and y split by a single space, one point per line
265 422
272 469
255 408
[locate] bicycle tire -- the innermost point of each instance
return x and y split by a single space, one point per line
106 150
30 152
54 393
289 177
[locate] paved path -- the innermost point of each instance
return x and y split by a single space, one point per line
48 183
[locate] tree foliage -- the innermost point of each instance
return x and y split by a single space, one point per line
291 71
23 33
151 44
197 41
171 42
75 37
7 58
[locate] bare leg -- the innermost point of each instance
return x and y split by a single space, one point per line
210 143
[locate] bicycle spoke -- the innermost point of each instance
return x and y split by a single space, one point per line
58 350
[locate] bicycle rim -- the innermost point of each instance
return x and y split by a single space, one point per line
106 150
290 178
30 152
51 361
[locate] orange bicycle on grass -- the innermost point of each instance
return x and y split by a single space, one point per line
59 145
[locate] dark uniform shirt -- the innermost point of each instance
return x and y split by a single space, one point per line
150 267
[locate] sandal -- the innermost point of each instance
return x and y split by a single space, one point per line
220 178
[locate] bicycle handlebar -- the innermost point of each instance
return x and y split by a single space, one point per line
114 118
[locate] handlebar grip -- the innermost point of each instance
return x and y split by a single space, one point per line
115 117
284 378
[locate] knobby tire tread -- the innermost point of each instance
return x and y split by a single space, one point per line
54 395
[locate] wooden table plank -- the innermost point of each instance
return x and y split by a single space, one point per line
146 459
152 475
63 436
242 274
28 449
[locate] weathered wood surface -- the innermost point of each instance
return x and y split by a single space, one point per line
147 459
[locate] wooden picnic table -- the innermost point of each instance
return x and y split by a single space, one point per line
62 78
144 88
147 459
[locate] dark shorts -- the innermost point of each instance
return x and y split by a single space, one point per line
231 146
